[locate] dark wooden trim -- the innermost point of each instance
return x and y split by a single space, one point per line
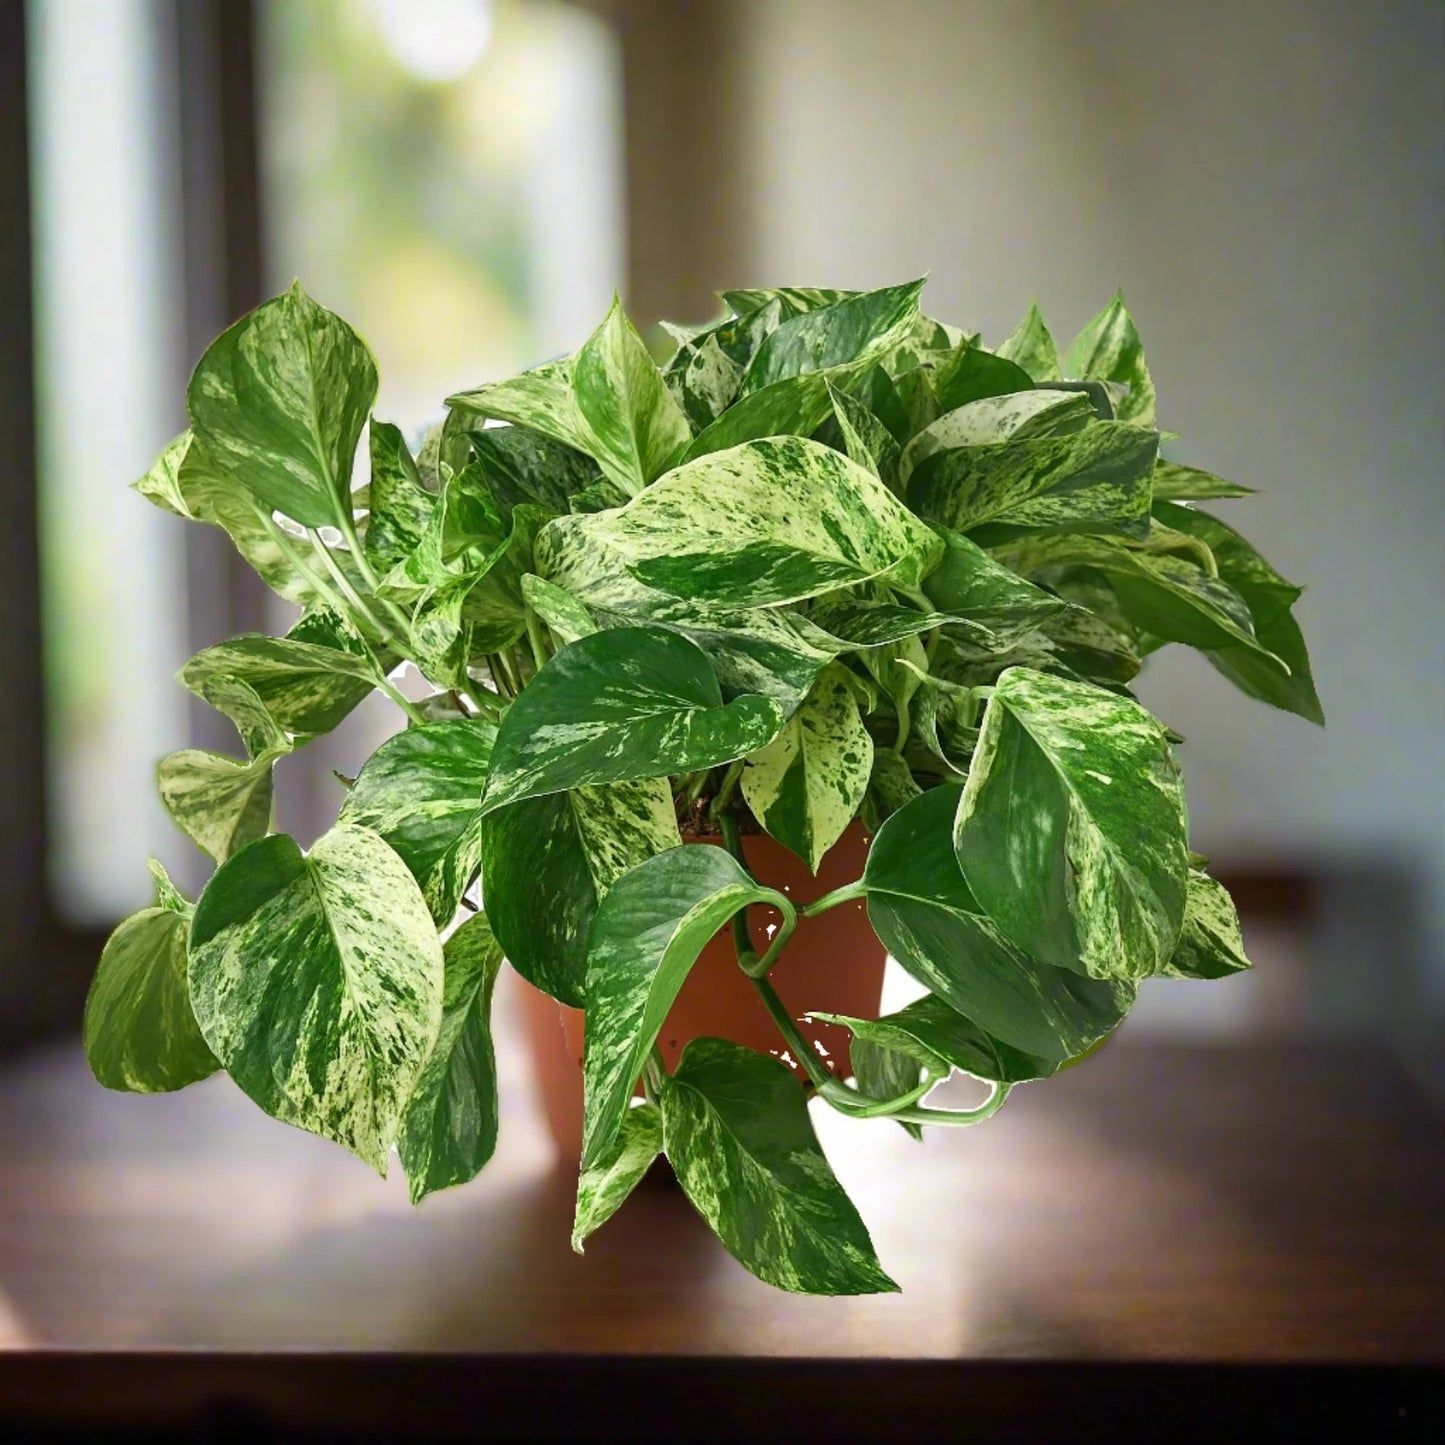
186 1396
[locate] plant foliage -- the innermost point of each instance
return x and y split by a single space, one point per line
833 559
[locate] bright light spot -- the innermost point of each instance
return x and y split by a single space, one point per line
436 40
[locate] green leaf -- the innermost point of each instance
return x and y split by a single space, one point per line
239 701
850 332
1071 829
279 401
317 981
523 466
796 406
548 861
637 430
890 787
400 507
928 919
219 803
931 1033
1032 347
167 894
604 1188
969 373
161 484
807 785
798 518
797 298
542 399
567 618
647 934
995 419
888 1073
865 439
704 380
139 1033
968 583
422 792
1175 482
737 1132
636 702
306 687
1270 598
449 1129
1108 349
1096 480
1210 942
856 623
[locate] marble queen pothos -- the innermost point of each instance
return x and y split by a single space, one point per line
833 558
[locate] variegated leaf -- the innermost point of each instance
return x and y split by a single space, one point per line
542 399
240 702
796 406
1210 942
636 702
968 583
647 934
931 1033
926 916
306 687
279 401
567 618
317 981
890 787
637 430
167 894
806 786
865 439
995 419
219 803
1174 482
704 381
1071 829
548 861
520 466
796 298
449 1129
851 332
770 522
400 508
603 1189
139 1033
1095 480
422 792
737 1133
1032 347
161 483
1108 349
857 623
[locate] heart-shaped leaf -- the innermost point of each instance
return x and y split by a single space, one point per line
422 792
602 1190
220 804
1032 347
1071 829
968 583
928 919
737 1133
317 982
1108 349
647 934
806 786
771 522
279 401
1210 942
449 1129
547 861
635 702
140 1034
400 508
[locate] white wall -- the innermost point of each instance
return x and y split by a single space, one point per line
1266 182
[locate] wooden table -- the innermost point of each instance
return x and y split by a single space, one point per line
1164 1236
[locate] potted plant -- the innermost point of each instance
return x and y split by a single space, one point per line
836 588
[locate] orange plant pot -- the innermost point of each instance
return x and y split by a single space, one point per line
833 963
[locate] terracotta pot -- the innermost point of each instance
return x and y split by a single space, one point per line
833 963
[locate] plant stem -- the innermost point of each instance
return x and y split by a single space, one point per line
725 792
535 636
809 1061
846 894
958 1118
338 576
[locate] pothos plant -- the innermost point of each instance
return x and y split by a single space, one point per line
833 559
